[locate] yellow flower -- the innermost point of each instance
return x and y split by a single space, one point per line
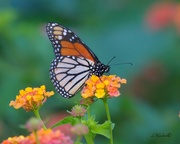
94 78
100 85
31 98
100 93
104 86
15 140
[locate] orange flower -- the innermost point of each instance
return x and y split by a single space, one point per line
43 136
86 93
103 86
31 98
16 140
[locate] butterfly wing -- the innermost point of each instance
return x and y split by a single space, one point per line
73 63
69 74
67 43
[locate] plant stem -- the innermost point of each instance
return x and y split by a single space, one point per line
36 112
36 136
109 119
78 140
88 112
88 139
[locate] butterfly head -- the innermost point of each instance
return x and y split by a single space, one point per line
99 69
104 69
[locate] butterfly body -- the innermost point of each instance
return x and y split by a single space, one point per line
74 61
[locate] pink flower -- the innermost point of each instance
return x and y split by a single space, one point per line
164 14
50 137
160 14
43 137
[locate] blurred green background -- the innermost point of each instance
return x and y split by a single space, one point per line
149 102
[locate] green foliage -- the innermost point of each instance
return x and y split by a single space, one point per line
94 127
67 120
102 129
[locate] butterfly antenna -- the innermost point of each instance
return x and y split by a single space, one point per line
122 63
111 60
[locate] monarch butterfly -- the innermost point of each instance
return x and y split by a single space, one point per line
74 61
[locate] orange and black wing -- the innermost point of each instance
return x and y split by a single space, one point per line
67 43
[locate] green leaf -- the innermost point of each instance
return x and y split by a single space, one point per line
102 129
67 120
90 137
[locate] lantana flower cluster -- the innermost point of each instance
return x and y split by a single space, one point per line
42 136
31 98
103 86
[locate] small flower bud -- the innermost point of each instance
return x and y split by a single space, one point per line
33 124
78 111
80 129
86 101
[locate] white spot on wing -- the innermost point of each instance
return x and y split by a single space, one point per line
59 37
64 33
